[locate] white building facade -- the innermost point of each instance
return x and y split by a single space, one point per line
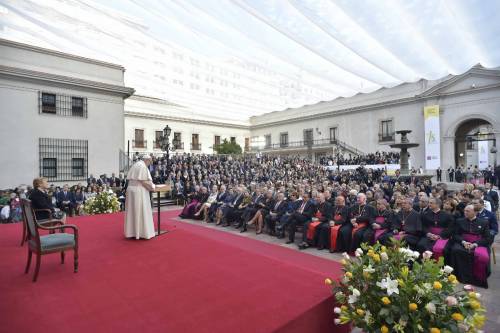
61 116
146 117
365 123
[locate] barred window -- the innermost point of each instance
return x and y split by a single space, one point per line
63 159
62 105
49 167
77 106
78 167
48 103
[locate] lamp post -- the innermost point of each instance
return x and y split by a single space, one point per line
165 146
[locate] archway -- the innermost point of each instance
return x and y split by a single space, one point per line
467 136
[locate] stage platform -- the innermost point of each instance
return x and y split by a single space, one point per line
192 279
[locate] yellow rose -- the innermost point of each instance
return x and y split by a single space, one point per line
328 282
360 312
386 300
437 285
413 307
472 295
343 308
366 275
384 329
370 253
348 274
343 262
478 320
435 330
404 271
457 316
452 278
383 249
475 304
376 257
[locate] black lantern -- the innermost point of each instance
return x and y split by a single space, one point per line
166 131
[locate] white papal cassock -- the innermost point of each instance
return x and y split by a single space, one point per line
138 213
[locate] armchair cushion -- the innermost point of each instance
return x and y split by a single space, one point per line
57 240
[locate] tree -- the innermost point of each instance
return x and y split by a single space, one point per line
228 148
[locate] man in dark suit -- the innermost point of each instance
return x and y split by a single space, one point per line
228 211
486 215
439 172
451 174
303 214
65 200
491 196
278 210
91 180
322 215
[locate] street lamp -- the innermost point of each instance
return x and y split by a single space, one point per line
165 145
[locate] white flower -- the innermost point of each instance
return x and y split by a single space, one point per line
358 252
368 316
416 254
369 269
354 297
346 256
427 255
431 308
447 269
478 295
337 321
390 285
337 310
384 256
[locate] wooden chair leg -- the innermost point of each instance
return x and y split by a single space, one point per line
28 263
37 267
24 233
62 257
76 259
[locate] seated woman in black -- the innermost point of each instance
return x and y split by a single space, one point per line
41 200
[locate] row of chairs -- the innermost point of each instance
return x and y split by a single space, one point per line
53 242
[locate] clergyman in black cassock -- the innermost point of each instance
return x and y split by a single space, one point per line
362 217
408 225
380 229
323 215
340 217
437 225
469 254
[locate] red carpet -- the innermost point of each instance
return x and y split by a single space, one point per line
192 279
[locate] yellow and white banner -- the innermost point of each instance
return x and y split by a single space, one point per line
432 137
483 154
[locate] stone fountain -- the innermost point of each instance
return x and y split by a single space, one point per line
404 170
403 156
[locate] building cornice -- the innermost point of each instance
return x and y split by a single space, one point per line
374 106
155 100
29 75
42 50
184 120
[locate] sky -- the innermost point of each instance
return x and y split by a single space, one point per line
233 59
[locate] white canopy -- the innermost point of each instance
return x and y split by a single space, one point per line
239 58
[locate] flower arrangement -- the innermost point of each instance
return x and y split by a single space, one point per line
102 203
380 293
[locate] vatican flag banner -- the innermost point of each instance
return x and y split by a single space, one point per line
432 137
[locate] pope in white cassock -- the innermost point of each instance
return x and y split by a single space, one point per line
138 213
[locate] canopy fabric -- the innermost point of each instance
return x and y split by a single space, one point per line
234 59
